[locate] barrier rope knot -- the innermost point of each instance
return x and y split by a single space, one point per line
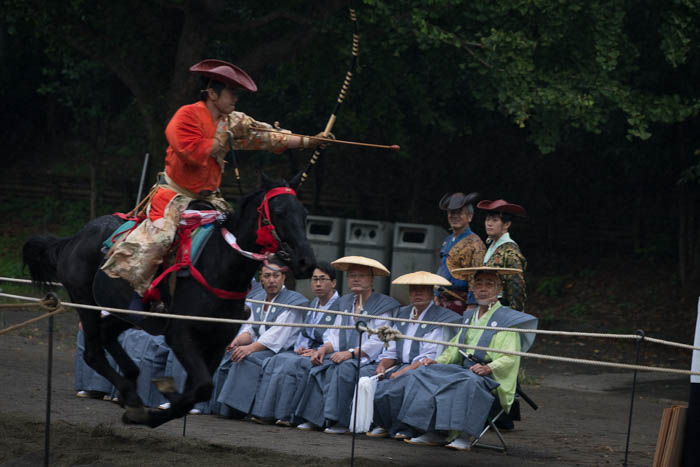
51 302
387 334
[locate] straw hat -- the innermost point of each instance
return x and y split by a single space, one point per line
421 278
468 273
344 263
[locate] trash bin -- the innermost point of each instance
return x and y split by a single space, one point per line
326 235
416 247
371 239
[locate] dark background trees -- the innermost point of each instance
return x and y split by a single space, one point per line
584 112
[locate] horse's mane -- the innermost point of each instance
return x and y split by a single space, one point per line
234 218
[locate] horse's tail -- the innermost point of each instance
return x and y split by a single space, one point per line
40 254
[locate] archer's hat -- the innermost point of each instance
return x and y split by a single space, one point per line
344 263
224 72
467 274
421 278
501 205
456 200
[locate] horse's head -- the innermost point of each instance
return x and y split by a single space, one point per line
281 226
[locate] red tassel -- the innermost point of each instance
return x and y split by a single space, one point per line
266 240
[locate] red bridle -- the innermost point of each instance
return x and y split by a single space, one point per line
266 235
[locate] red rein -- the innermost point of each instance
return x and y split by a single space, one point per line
266 238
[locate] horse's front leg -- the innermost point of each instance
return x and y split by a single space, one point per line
195 360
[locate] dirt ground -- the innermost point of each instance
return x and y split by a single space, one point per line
581 420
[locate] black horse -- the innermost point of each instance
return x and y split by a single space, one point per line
198 345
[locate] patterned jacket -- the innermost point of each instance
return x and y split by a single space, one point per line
508 255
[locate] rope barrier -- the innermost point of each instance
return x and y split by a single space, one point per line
455 325
495 328
398 335
386 331
27 281
50 302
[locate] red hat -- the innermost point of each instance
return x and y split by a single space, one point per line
225 73
501 205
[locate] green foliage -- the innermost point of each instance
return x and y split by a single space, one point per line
576 310
555 66
551 286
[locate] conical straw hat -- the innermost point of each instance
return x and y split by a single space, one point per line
468 273
344 263
421 278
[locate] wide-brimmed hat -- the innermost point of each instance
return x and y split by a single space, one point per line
421 278
501 205
457 200
466 274
344 263
226 73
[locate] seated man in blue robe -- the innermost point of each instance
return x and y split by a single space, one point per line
406 355
327 398
284 375
453 394
236 380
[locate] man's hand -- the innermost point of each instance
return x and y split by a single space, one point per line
239 353
231 346
340 357
481 370
301 350
427 361
318 356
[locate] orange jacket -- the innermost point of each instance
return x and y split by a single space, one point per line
190 134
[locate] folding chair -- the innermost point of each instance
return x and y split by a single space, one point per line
496 413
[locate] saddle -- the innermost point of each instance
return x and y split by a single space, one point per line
118 293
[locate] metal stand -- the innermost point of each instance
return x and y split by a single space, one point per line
184 426
47 424
634 386
357 391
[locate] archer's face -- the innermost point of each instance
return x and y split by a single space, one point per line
225 102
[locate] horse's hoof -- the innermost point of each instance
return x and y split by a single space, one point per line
135 416
165 384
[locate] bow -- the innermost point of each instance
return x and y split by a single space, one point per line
341 96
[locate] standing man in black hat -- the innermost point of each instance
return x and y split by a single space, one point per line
464 249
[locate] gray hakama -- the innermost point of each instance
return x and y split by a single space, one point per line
446 397
328 395
452 397
150 354
284 375
388 397
85 378
238 381
341 389
241 383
